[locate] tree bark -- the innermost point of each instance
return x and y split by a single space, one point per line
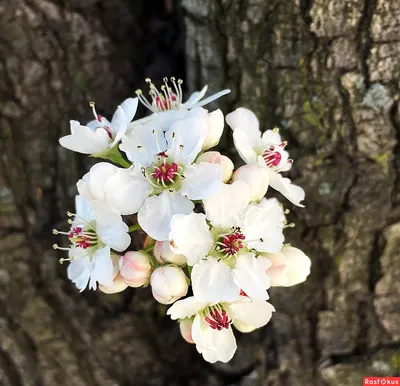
325 72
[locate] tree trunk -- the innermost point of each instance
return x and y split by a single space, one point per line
325 72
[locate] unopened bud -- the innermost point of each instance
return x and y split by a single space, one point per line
168 284
256 178
135 268
118 285
185 326
215 157
164 254
215 127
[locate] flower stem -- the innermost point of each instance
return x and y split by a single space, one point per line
114 155
149 248
134 228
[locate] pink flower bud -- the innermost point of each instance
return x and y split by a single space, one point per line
168 283
185 326
215 127
135 268
290 266
214 157
256 178
118 286
164 254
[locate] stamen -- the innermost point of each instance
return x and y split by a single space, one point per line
96 116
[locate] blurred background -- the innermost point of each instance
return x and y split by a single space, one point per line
326 72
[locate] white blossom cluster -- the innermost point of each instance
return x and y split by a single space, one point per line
206 225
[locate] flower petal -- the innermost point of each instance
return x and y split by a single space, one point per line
83 140
142 144
215 345
251 313
129 106
250 276
195 97
126 191
79 272
263 228
211 98
103 269
190 236
119 125
185 138
201 180
292 192
98 175
185 308
155 215
224 207
212 282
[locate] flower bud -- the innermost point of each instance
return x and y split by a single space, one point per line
135 268
214 157
256 178
118 285
164 254
290 266
168 283
185 326
215 127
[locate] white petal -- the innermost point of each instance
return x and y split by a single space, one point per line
212 282
79 272
251 313
102 271
245 145
104 215
190 236
201 180
213 344
129 106
116 237
98 175
195 97
155 215
211 98
119 125
271 138
126 191
245 120
250 275
263 228
84 140
185 138
84 210
185 308
83 187
142 144
256 179
292 192
224 207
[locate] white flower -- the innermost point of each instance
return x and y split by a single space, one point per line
168 284
290 266
135 268
94 231
256 179
164 170
265 149
229 242
214 157
163 254
211 329
100 135
167 106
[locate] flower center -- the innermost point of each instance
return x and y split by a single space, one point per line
273 156
165 173
82 238
217 318
230 244
165 100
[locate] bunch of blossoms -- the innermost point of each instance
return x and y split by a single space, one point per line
205 225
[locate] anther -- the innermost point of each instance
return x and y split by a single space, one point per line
70 214
91 104
276 130
147 80
55 232
139 92
286 211
69 221
55 246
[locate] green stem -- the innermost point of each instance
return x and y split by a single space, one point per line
149 248
114 155
134 228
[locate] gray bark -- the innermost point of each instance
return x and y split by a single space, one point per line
325 72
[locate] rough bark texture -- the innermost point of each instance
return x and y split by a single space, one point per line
326 72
